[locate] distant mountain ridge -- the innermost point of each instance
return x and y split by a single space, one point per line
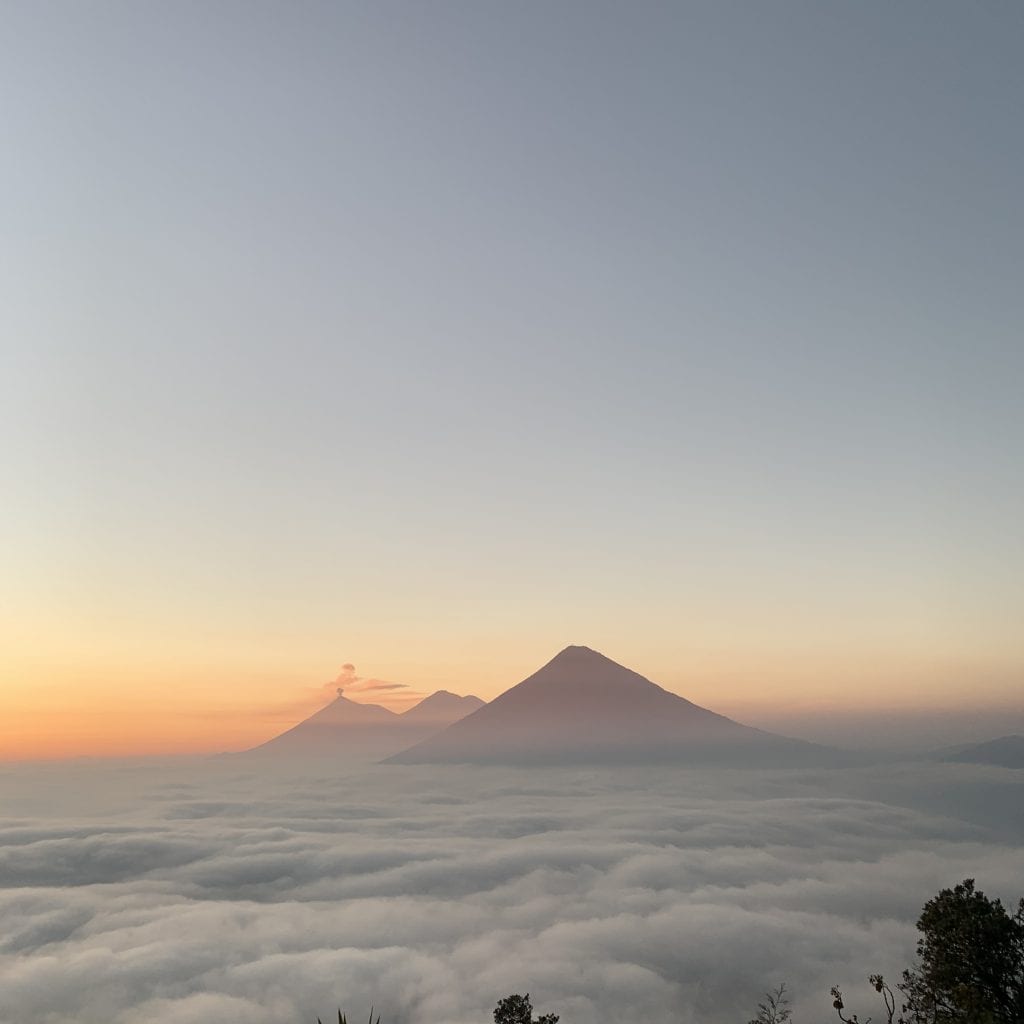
582 707
347 730
1004 752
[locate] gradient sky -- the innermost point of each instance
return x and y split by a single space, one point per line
435 337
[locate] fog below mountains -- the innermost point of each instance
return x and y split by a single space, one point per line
187 893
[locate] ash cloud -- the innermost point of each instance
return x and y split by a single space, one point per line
192 893
349 684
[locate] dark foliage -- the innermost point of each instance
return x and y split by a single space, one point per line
888 998
970 957
775 1008
517 1009
342 1019
970 965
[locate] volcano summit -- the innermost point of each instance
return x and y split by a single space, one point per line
347 730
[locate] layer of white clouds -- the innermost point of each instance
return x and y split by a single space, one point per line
184 894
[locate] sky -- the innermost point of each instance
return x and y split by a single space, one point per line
430 339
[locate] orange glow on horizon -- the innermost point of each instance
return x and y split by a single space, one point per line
115 716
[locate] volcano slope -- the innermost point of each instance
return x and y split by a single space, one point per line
584 708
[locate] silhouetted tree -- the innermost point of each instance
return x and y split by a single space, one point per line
888 998
517 1009
342 1019
775 1009
970 965
970 957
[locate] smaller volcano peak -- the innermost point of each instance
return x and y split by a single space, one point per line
440 697
442 704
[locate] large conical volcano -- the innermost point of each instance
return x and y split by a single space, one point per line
582 707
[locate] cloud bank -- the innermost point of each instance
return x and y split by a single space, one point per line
178 894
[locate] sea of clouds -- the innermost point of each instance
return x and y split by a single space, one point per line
182 893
